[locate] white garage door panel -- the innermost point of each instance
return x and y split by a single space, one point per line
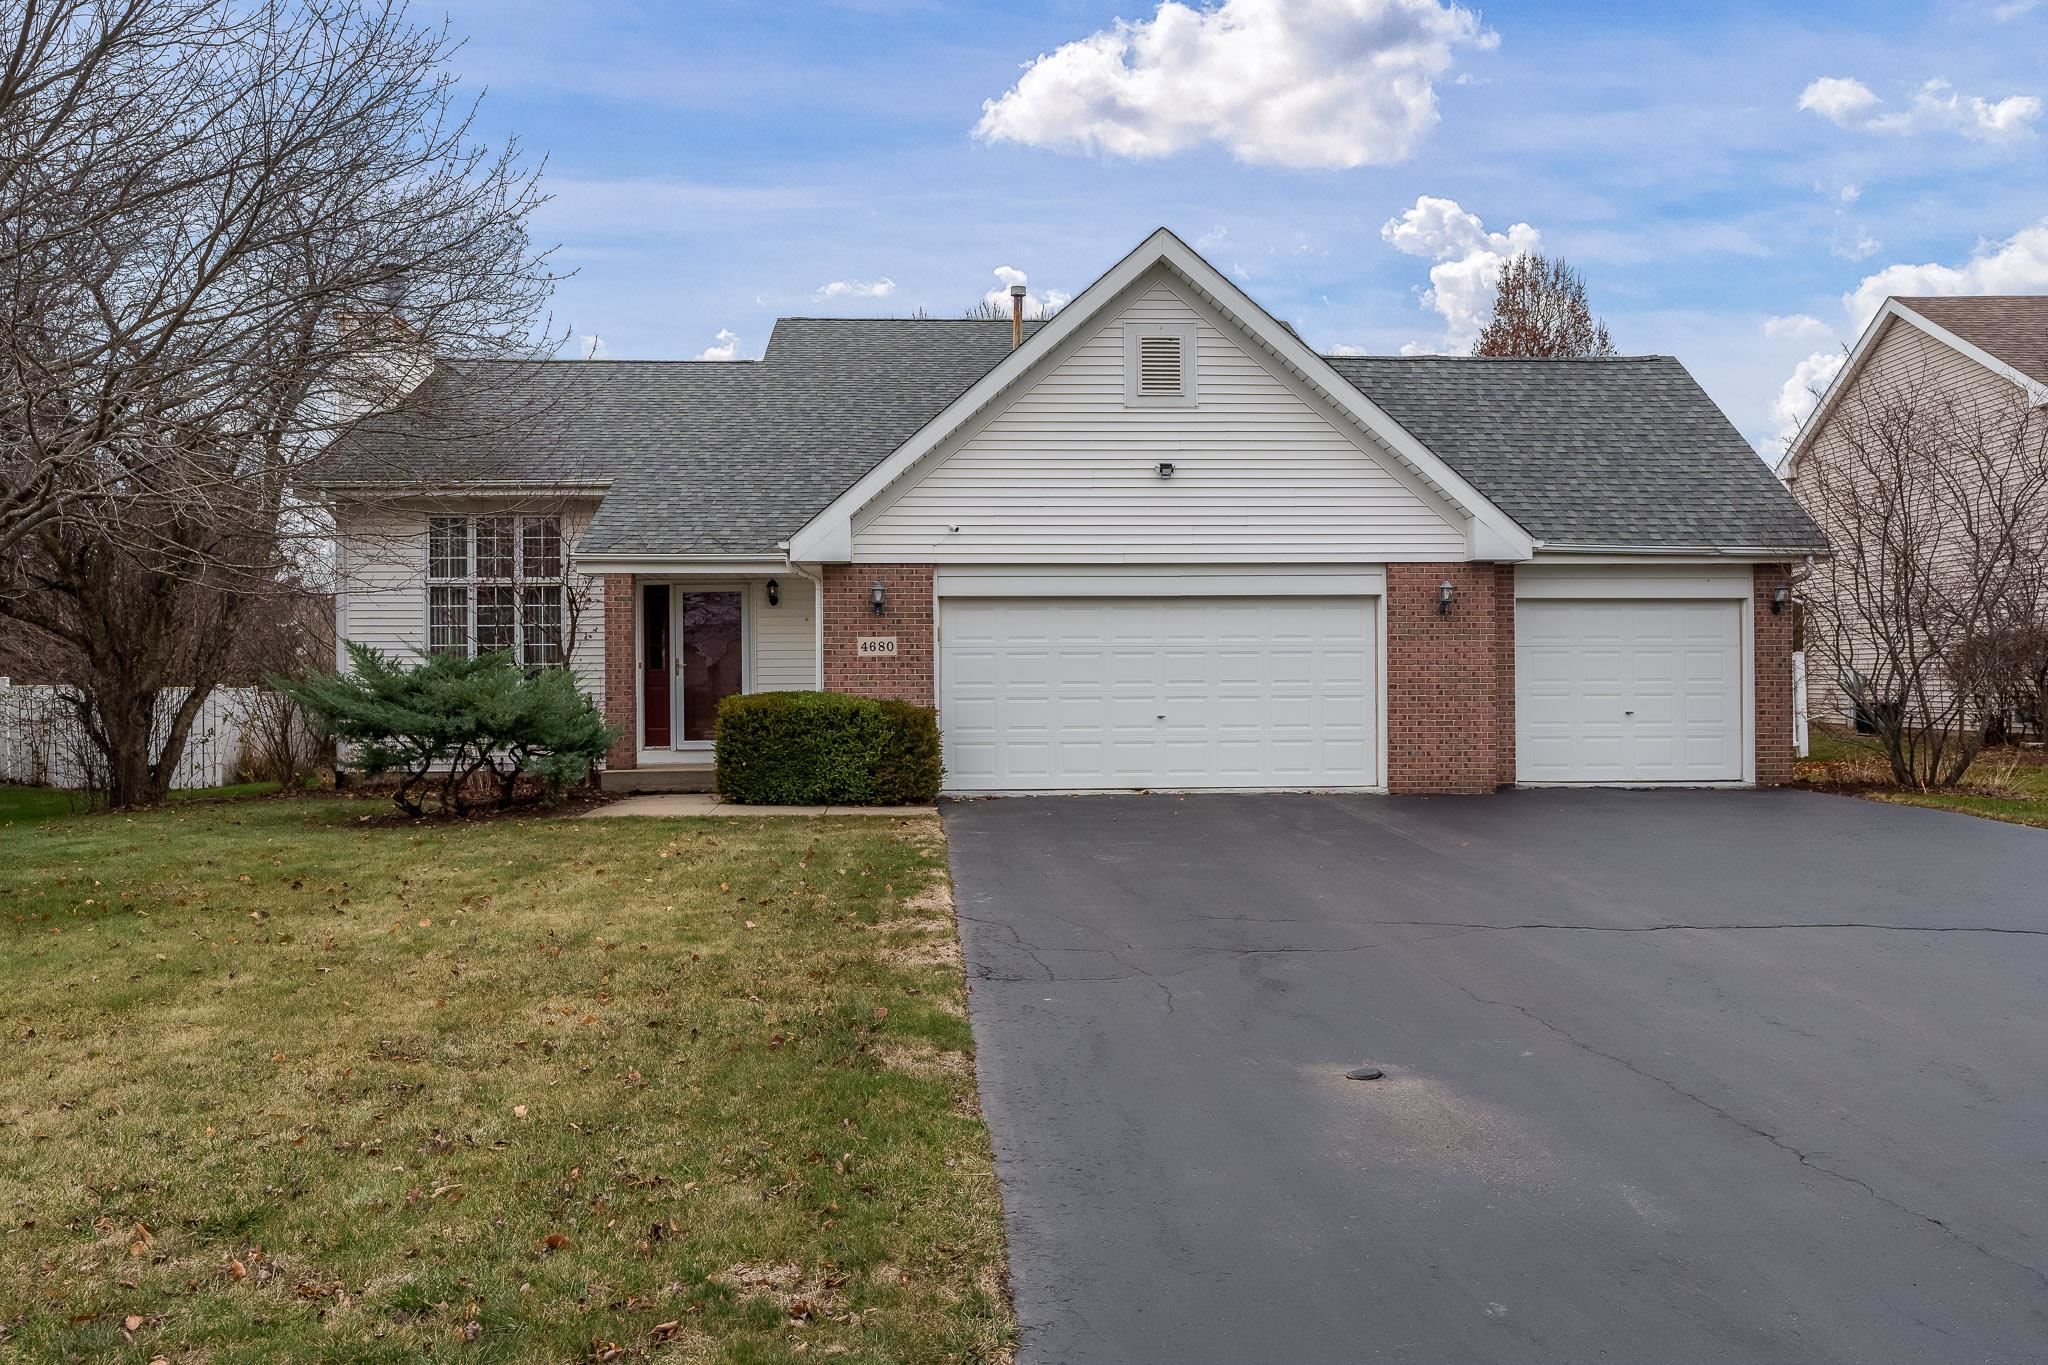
1080 694
1640 691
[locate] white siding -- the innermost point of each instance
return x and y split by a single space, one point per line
1066 471
381 593
785 636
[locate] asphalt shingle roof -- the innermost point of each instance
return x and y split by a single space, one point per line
2012 327
1619 452
704 457
725 458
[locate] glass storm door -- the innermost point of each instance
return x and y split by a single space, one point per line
709 659
656 661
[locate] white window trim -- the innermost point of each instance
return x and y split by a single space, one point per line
1190 386
519 582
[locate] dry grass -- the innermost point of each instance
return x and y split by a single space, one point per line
281 1086
2009 784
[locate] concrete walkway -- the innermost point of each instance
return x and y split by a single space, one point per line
706 803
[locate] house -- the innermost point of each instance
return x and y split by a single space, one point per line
1155 542
1958 384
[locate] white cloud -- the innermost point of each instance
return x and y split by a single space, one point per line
1795 325
1936 107
593 347
2013 9
1467 265
1797 396
1841 100
1859 247
727 346
2017 265
1337 83
1347 350
858 289
1037 303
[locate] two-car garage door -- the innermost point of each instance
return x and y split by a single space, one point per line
1178 693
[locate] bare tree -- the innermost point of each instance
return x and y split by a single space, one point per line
1937 506
231 229
1540 309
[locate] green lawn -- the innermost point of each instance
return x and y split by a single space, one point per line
283 1084
2003 784
23 805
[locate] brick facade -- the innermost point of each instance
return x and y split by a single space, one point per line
1450 678
906 614
621 678
1773 638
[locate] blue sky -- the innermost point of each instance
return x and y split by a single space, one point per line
1738 183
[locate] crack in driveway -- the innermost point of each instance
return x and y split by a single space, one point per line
1805 1158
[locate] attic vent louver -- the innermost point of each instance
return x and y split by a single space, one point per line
1159 367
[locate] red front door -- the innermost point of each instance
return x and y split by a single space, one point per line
657 661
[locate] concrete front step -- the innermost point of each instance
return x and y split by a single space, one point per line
621 781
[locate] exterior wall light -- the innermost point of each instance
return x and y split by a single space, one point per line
1780 599
1444 595
774 593
1166 469
877 598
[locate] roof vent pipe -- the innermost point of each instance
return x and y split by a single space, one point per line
1016 316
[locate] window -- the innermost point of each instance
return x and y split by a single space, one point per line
1159 365
496 582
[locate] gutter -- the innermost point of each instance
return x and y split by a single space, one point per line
479 488
1707 551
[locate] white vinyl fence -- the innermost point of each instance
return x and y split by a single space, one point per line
42 745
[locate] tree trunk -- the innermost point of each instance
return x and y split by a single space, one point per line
118 719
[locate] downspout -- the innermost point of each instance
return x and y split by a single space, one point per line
817 582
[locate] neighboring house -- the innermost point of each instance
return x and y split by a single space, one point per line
1955 371
1160 544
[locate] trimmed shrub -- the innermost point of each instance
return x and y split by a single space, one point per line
826 749
448 721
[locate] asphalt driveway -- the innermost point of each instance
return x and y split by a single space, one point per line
1684 1076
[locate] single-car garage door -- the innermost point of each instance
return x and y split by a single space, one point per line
1078 694
1628 691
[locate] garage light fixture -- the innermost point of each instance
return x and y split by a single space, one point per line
877 598
1780 599
1444 593
774 593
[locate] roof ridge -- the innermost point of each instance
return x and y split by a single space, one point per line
1508 359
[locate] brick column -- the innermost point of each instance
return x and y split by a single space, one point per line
1773 639
621 679
1450 691
1504 672
907 615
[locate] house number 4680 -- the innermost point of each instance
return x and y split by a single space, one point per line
875 646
